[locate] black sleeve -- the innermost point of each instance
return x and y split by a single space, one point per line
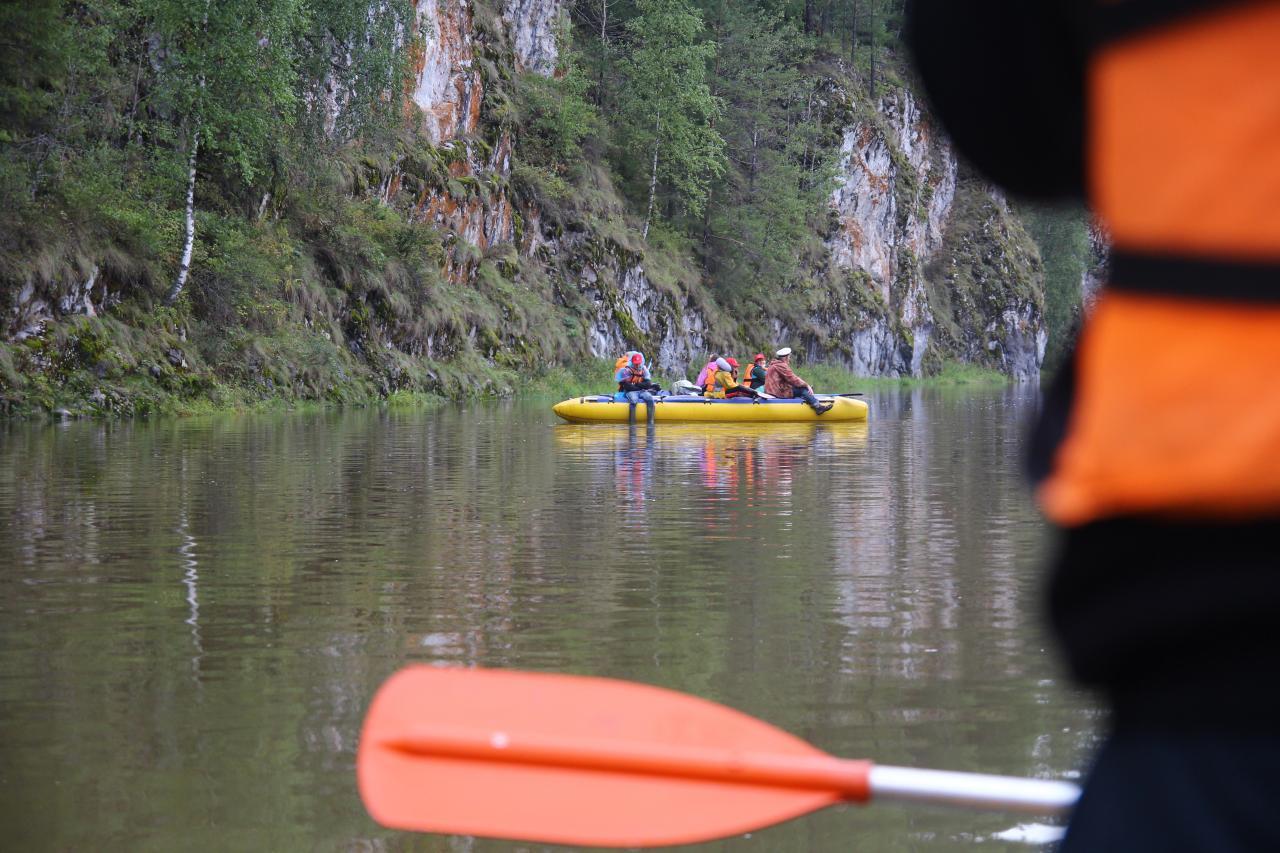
1007 79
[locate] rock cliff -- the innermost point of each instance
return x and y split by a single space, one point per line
602 281
891 209
452 264
896 245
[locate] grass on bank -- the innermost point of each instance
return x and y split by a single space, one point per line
594 376
81 396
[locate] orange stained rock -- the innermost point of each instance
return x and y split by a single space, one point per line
853 230
393 187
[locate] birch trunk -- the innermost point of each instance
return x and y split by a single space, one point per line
853 37
604 50
189 238
189 241
871 88
653 175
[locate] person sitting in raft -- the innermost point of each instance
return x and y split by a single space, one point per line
781 381
635 384
704 381
755 376
724 382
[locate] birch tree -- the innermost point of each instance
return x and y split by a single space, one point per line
225 77
668 109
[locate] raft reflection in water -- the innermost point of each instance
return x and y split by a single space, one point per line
730 461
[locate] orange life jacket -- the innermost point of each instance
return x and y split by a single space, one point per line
1176 411
721 381
634 375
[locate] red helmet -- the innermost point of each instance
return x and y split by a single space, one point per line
759 357
637 359
733 362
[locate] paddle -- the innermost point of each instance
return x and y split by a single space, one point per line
567 759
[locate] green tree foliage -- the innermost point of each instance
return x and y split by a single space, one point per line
743 180
668 111
758 216
55 79
351 63
225 72
111 110
225 83
556 114
1063 237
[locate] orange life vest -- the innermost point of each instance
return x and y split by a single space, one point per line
1176 411
721 381
634 375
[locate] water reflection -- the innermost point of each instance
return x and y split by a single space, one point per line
752 465
191 580
186 605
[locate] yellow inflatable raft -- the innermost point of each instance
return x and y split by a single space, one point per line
605 410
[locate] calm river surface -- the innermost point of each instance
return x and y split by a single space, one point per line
195 613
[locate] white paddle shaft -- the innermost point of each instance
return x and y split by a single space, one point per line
973 790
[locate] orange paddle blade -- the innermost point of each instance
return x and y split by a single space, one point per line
588 761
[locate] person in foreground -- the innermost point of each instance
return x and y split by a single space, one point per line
1165 587
636 385
781 381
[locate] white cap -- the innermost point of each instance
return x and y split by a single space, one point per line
784 352
722 364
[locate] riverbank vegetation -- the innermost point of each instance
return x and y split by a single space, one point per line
224 204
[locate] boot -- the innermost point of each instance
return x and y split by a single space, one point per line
824 408
631 414
649 414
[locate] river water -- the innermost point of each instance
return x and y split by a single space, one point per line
195 613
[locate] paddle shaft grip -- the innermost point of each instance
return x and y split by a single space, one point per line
818 772
972 790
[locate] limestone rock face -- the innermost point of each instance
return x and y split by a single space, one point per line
448 88
1019 338
473 207
892 210
623 307
676 331
894 187
33 306
533 25
1095 274
987 285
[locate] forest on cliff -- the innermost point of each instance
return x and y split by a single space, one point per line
237 200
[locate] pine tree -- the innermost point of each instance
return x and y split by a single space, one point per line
759 217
